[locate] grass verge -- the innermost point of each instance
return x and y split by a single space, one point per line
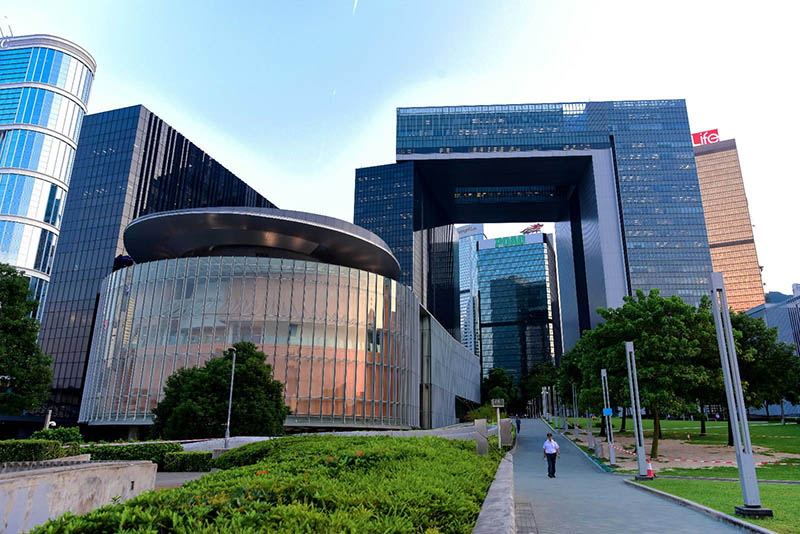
766 472
314 484
723 496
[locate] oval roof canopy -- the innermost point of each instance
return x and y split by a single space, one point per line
262 232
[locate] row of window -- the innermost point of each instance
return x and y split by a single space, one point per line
48 66
26 196
35 151
41 107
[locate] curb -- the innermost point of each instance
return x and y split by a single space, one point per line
588 458
497 511
715 514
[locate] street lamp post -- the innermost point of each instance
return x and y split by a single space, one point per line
230 400
574 412
636 412
607 412
736 407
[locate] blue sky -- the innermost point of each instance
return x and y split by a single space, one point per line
293 96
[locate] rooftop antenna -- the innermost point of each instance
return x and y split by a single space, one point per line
10 33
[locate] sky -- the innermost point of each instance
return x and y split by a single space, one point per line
293 96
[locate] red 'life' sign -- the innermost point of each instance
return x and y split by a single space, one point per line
705 138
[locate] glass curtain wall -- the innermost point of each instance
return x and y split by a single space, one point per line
341 340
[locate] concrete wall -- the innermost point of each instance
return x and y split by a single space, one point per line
30 498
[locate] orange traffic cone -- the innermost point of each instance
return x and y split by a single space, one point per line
650 469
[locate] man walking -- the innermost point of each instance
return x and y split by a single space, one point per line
550 451
518 423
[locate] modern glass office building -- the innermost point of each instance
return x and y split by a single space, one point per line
318 295
617 178
730 232
129 163
44 90
468 237
520 324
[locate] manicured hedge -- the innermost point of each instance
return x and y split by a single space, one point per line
155 452
30 450
187 461
315 484
65 434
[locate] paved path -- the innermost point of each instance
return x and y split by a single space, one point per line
583 499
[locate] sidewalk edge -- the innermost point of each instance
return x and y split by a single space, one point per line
498 514
716 514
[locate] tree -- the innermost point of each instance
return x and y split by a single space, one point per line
195 403
25 373
668 336
769 368
541 375
498 378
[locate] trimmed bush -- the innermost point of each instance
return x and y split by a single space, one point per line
154 452
193 461
63 434
368 485
30 450
72 449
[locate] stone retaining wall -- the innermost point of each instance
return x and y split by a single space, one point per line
30 498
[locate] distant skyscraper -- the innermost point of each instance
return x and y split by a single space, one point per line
44 89
730 233
520 323
129 163
468 237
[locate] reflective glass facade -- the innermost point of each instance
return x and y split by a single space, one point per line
518 296
468 237
129 163
44 90
345 342
730 233
487 164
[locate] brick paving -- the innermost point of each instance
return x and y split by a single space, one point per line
583 499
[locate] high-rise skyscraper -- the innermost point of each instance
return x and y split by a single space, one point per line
468 237
520 324
44 89
618 179
129 163
730 233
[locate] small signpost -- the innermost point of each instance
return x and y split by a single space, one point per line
498 403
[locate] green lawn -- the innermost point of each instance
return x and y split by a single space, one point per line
304 484
780 438
765 472
723 496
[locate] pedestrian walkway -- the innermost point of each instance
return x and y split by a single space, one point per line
584 499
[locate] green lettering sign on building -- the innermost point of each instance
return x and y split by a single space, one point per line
512 241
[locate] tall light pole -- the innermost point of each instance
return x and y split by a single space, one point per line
636 412
736 407
230 399
607 412
574 413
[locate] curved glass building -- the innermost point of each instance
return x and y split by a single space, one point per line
44 89
317 295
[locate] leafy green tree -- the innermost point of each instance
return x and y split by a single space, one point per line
667 334
769 368
25 373
195 403
498 378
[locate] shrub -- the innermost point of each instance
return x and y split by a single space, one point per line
155 452
315 484
195 403
62 434
485 412
72 449
188 461
30 450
